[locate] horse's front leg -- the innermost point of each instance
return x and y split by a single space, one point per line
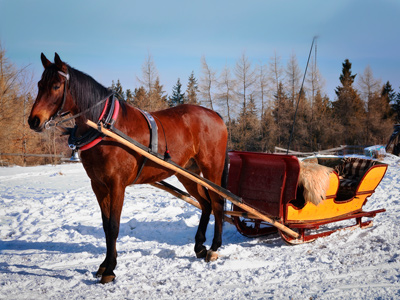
111 202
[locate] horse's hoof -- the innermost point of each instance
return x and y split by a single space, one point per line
211 256
100 271
107 278
202 253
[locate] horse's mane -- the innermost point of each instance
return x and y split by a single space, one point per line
87 92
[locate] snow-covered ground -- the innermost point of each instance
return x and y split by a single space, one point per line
52 242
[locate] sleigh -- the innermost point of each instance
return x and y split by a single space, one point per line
269 183
266 196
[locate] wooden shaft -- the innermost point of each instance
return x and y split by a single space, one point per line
176 194
240 214
186 199
202 181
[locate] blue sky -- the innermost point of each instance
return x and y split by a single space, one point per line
110 40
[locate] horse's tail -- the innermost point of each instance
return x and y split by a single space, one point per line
224 178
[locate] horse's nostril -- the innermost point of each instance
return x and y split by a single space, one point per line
34 123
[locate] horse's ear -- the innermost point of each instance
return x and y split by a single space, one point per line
45 61
60 64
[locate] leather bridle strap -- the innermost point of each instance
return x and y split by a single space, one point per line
59 112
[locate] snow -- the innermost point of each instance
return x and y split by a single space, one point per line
52 242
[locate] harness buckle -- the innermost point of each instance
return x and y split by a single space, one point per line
99 126
72 146
49 123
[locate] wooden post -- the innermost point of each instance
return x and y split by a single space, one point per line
194 177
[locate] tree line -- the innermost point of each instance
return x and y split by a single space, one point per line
17 141
257 101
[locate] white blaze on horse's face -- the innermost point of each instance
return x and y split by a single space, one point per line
49 97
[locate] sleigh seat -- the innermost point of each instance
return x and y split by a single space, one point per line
351 171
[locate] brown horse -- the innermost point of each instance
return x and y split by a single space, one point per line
196 139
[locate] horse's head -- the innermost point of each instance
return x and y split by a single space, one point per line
53 96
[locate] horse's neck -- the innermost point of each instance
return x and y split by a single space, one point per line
87 93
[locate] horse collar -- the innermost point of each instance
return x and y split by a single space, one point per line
92 137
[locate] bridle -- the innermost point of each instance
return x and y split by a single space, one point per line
59 114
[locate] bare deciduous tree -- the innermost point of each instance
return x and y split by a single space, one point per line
378 123
293 77
207 84
275 75
245 78
227 96
262 85
149 73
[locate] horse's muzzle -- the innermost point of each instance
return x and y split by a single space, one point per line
34 124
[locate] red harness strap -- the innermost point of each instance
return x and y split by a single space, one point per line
112 121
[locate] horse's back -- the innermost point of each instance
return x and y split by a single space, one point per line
196 132
190 112
195 121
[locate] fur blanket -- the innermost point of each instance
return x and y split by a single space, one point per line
315 180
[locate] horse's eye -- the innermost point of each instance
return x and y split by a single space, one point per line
56 87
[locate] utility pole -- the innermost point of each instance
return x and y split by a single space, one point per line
23 130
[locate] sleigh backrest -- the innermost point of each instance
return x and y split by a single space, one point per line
264 181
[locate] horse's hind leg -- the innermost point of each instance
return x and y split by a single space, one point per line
216 206
215 174
200 238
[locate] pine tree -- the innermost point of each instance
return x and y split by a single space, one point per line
349 109
380 122
177 97
248 132
389 96
323 134
396 107
157 98
346 78
300 139
117 87
129 96
140 99
269 131
283 113
191 90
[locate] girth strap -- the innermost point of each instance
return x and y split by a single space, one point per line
153 130
153 139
